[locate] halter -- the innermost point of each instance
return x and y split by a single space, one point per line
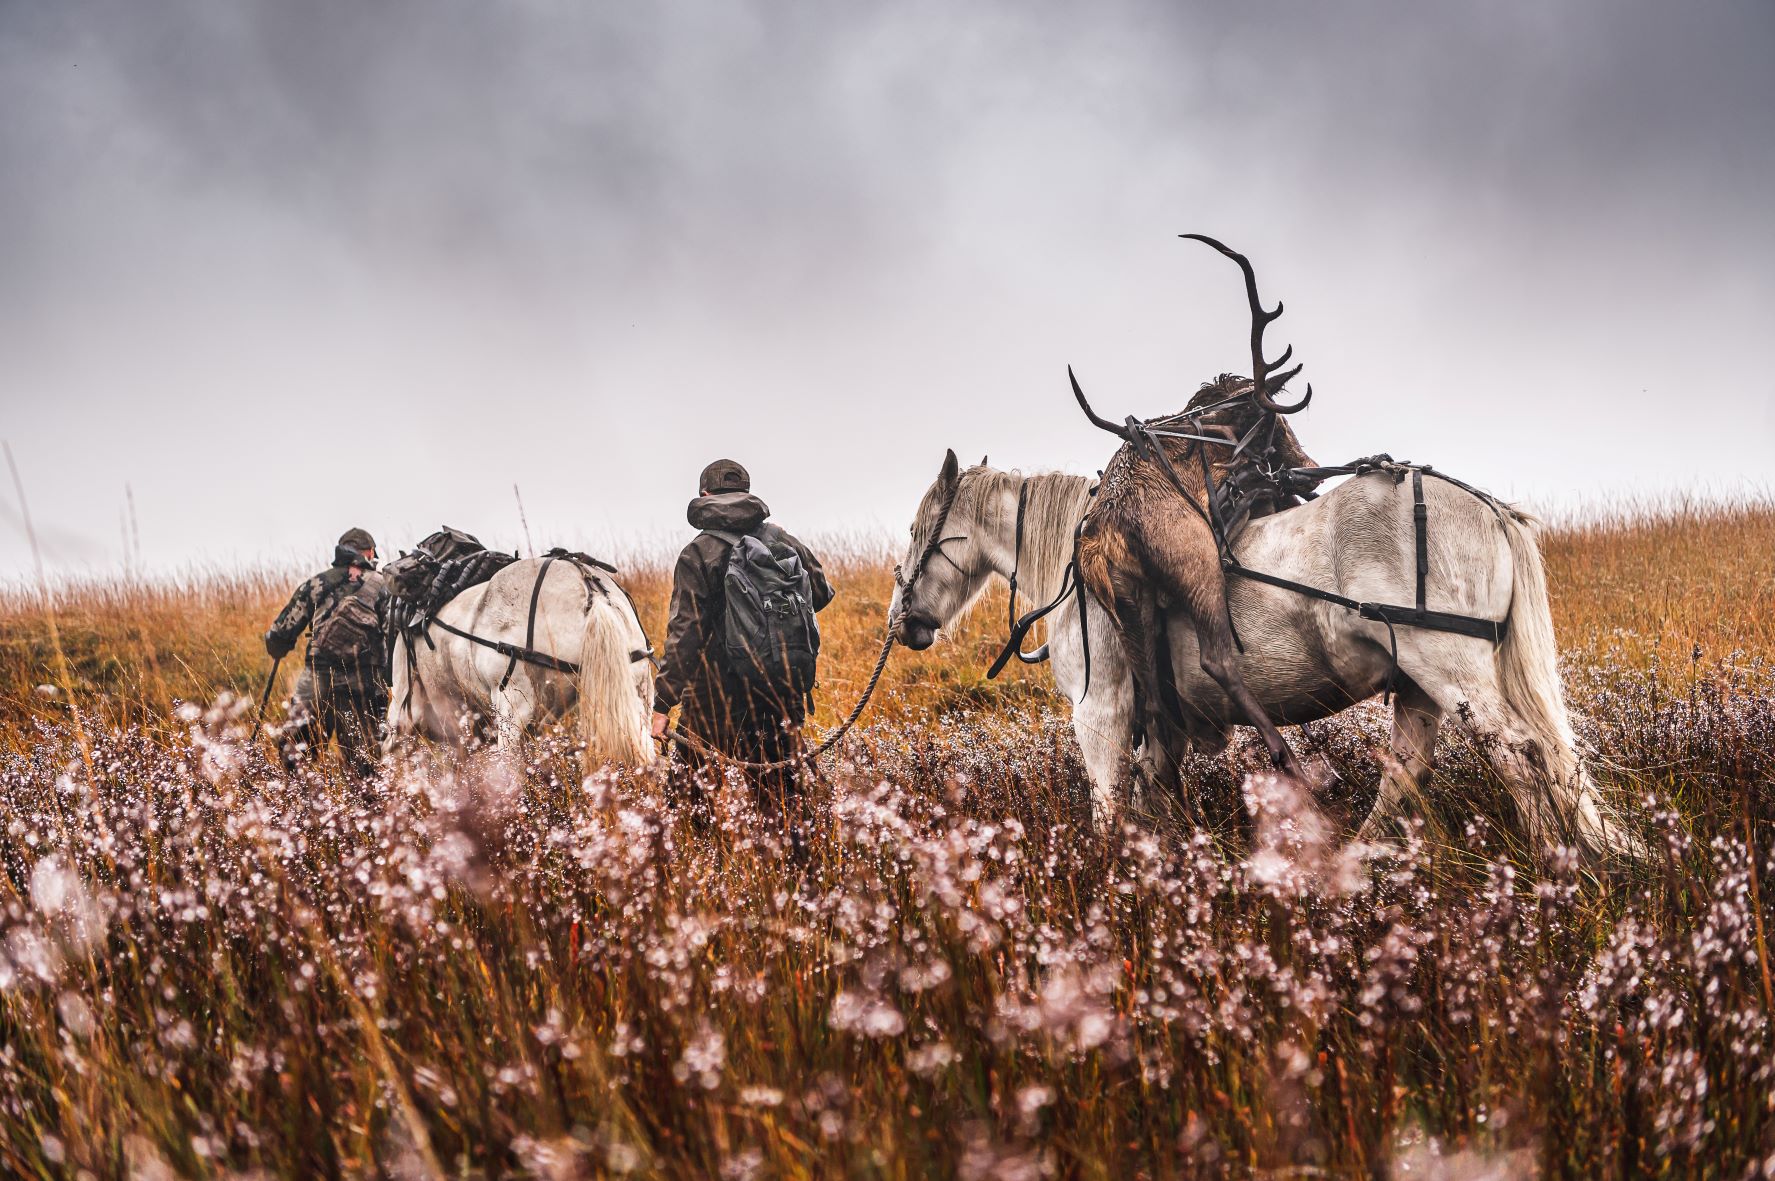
932 548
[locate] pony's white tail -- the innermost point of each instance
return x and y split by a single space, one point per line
1528 664
615 697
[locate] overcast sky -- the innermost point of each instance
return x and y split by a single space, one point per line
284 267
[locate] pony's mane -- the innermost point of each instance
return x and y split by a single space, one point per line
1054 505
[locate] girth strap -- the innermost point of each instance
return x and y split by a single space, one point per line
1420 520
517 653
530 626
1442 621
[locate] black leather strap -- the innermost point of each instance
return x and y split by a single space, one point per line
527 655
1017 552
530 626
1420 523
1442 621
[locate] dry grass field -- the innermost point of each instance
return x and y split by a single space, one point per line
209 969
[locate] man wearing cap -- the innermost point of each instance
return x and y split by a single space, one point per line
718 708
343 690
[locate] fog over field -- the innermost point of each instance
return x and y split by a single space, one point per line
282 267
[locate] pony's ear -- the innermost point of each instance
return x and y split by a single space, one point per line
982 461
951 469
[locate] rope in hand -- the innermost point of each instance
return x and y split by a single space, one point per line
827 743
903 584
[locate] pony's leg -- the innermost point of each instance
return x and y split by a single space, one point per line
1101 718
1514 754
1471 689
513 710
1413 745
1104 737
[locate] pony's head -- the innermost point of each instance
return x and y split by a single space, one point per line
945 568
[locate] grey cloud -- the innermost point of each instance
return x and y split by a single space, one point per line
235 230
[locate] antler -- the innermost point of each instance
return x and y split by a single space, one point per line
1114 428
1263 384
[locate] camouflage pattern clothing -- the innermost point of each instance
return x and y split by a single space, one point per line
343 690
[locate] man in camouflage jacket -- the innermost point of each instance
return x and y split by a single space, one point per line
718 708
342 692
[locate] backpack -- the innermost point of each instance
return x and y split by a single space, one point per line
441 567
351 632
769 636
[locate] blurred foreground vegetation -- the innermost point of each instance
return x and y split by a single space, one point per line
208 969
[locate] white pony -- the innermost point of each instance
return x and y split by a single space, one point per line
1304 658
447 688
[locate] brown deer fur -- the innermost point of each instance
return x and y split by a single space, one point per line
1141 547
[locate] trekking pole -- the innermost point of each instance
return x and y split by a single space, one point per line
265 700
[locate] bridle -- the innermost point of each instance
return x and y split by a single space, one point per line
1018 627
933 548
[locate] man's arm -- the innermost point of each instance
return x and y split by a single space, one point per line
289 624
385 623
684 632
816 573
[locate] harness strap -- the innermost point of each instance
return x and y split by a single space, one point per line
933 546
1225 545
527 655
1218 442
1442 621
1420 520
1020 626
405 637
1070 584
1147 446
1214 520
1041 653
1017 550
530 626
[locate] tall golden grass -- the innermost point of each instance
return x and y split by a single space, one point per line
209 968
1662 575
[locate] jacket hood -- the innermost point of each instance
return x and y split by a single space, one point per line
729 512
344 555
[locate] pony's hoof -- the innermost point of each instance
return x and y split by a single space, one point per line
1320 777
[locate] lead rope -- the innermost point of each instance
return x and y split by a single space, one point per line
827 743
933 546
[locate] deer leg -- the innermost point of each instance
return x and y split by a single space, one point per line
1190 566
1163 736
1135 614
1115 579
1220 660
1133 625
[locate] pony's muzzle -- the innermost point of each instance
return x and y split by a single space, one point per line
918 631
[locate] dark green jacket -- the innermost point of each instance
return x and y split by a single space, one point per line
692 668
345 610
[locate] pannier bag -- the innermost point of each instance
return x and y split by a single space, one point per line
441 567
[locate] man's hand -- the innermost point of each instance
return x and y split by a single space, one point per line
659 725
275 648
